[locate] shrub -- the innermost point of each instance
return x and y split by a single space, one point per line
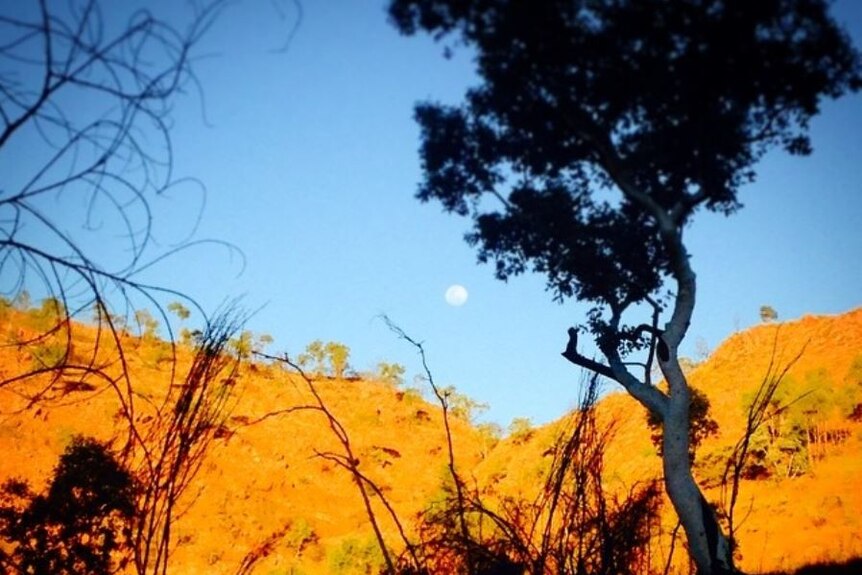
355 556
521 429
47 355
80 525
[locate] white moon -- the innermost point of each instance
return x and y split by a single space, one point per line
456 295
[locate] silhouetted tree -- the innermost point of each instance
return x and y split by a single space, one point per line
169 450
80 526
597 131
85 102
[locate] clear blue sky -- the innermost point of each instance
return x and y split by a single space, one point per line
309 158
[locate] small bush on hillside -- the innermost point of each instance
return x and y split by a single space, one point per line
390 373
355 557
47 355
802 419
490 434
461 405
325 359
411 396
521 429
301 535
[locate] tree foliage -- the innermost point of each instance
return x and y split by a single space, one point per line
181 311
802 420
854 392
329 359
521 429
338 354
768 314
81 524
671 102
247 343
461 405
147 324
391 373
86 94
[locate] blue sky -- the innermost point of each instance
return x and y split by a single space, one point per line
309 160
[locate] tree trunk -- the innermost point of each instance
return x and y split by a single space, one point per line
708 545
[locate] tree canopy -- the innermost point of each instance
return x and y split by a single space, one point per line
669 103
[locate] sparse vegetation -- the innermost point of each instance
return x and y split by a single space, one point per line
521 429
328 359
768 314
88 194
461 405
551 139
509 473
356 556
571 527
169 450
701 425
390 373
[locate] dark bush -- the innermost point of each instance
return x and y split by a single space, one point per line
80 526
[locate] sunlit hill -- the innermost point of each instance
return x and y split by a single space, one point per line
272 496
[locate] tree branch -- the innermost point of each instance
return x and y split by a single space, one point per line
650 397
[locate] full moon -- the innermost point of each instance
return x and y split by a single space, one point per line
456 295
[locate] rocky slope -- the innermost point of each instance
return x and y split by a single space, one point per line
265 486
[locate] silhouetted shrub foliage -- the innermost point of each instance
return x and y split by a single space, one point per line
80 525
573 525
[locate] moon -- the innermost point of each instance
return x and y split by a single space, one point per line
456 295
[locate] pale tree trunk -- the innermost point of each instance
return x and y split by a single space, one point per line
708 545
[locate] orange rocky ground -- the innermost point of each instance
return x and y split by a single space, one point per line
263 477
